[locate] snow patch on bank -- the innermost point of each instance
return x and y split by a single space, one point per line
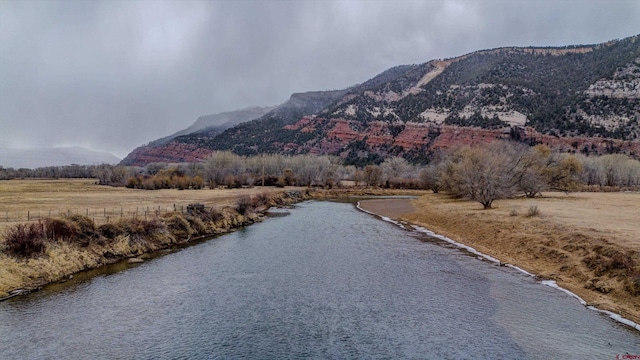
550 283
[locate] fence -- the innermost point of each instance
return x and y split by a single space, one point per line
98 215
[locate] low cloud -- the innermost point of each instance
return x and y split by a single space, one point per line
112 75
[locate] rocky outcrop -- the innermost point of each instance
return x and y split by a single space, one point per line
173 152
379 136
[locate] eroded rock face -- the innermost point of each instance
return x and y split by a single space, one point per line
335 135
173 152
339 133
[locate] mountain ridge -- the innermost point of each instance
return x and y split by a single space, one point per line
578 98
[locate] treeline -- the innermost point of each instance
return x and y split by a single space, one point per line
504 169
226 169
49 172
483 173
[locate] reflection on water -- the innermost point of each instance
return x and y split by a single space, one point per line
325 281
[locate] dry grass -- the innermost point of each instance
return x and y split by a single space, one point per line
44 198
588 242
74 243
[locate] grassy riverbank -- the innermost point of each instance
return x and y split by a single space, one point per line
588 242
51 249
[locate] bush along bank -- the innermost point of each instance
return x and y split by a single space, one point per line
51 250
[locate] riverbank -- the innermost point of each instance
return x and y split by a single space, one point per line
587 242
75 243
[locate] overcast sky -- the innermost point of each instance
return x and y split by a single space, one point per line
112 75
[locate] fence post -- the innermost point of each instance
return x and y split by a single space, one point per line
28 216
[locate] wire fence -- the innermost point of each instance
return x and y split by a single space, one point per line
98 215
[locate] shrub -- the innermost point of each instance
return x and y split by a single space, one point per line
140 229
533 210
263 199
85 225
197 182
178 225
514 211
110 231
61 229
25 240
197 225
244 205
196 209
216 215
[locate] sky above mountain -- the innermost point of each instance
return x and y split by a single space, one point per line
112 75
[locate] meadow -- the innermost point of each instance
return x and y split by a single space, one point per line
34 199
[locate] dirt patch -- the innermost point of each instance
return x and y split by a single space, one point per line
587 242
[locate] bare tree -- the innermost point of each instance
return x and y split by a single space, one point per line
372 175
429 177
394 168
103 173
482 174
224 165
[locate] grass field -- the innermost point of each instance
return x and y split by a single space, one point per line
23 200
51 250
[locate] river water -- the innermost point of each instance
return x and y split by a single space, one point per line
325 281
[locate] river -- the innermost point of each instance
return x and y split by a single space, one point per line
324 281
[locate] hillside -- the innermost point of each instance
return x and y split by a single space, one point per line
167 150
582 98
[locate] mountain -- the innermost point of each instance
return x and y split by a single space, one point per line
185 145
216 123
60 156
582 98
208 126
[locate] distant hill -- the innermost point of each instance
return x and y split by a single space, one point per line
42 157
208 126
581 98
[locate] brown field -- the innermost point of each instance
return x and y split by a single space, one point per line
22 200
62 258
553 245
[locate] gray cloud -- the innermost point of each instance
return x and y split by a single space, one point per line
112 75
